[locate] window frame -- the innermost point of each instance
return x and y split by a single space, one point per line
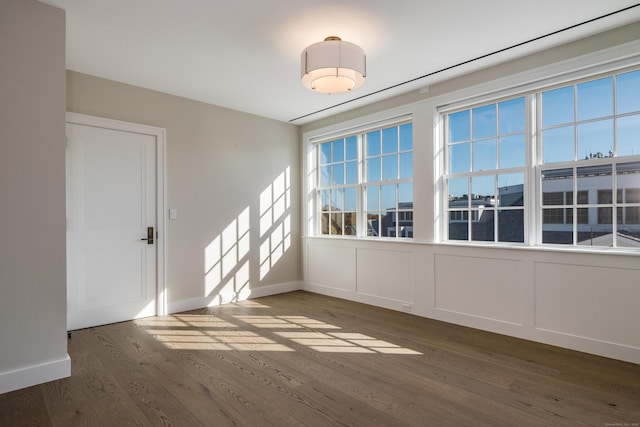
534 209
315 214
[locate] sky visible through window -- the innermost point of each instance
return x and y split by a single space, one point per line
493 136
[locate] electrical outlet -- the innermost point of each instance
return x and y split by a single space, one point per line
406 307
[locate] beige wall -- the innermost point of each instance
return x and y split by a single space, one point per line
33 317
219 162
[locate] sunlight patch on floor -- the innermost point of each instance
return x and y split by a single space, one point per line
209 332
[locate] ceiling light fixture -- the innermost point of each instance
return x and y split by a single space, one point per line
333 66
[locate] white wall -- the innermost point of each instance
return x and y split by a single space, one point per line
33 316
231 176
570 298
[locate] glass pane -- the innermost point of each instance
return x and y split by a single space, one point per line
484 121
338 150
374 169
629 216
350 199
405 224
551 198
390 140
511 190
406 165
406 137
405 195
482 228
484 155
350 224
595 99
325 175
338 174
388 224
632 195
335 224
595 140
390 167
557 106
325 200
352 148
325 153
483 190
596 235
628 92
388 197
336 200
605 216
373 143
460 126
373 224
352 172
558 145
459 158
628 129
605 197
583 215
373 198
458 225
458 189
594 178
557 237
628 230
511 116
553 216
555 184
511 226
512 151
628 178
583 197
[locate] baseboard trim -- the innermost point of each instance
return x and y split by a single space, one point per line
36 374
211 301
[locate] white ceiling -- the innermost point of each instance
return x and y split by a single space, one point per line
245 54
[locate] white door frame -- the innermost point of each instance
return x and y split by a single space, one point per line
160 136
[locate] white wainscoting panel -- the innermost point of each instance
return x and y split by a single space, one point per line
332 266
385 273
488 288
594 302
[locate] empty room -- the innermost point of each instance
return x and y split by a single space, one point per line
353 213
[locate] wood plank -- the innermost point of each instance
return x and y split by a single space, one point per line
306 359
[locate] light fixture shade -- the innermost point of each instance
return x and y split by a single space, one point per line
333 66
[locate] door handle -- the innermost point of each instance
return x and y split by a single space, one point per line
149 238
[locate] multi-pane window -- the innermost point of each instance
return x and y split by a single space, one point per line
589 132
486 168
584 147
338 180
365 183
389 186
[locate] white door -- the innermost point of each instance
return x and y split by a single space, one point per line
111 205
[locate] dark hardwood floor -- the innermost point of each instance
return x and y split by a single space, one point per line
305 359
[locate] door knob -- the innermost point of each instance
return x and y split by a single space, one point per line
149 238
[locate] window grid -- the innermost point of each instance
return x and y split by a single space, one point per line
353 176
603 137
486 189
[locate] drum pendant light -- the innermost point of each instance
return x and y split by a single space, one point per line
333 66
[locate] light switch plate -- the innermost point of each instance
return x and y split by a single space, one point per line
173 213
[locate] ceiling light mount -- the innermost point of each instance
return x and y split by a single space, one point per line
333 66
